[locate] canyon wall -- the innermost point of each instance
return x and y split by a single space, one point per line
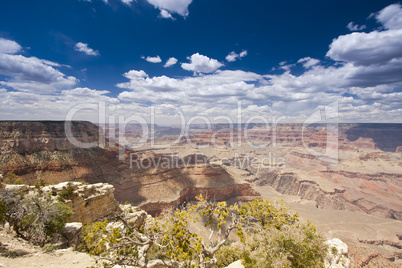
339 199
39 152
27 137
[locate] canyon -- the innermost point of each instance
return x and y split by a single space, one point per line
346 178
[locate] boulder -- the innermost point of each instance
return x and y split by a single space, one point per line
72 232
337 256
134 215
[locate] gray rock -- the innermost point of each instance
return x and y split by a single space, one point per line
17 188
337 256
72 233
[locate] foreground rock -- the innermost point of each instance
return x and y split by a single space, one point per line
337 254
88 202
72 233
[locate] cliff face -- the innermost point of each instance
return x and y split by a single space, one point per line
373 194
156 188
42 150
29 137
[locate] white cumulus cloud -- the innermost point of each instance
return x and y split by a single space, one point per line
308 62
172 6
365 80
165 14
156 59
391 16
170 62
83 47
233 56
9 46
243 53
379 50
367 48
201 64
30 73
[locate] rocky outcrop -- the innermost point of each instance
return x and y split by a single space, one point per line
88 203
337 256
370 258
134 215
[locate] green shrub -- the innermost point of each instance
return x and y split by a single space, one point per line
3 211
40 182
11 178
34 217
228 254
93 240
48 248
271 236
66 193
295 245
14 253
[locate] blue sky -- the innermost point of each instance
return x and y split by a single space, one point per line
277 59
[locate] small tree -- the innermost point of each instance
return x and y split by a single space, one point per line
3 211
34 217
167 241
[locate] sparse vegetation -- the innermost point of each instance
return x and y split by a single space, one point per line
3 211
34 217
49 247
66 193
40 182
13 253
270 234
11 178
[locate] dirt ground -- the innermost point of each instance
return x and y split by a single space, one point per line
15 252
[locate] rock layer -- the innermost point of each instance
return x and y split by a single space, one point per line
27 137
88 202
